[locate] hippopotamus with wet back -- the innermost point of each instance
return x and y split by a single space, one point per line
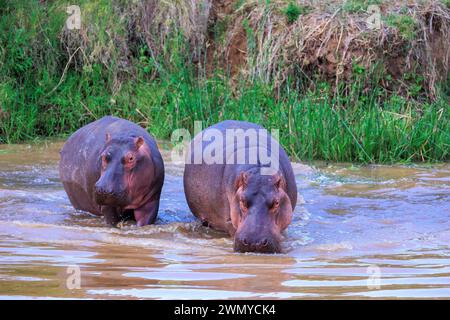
237 198
112 167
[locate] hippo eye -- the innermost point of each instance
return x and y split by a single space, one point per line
243 204
106 158
275 204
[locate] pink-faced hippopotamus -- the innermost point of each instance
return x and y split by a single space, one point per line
112 167
236 196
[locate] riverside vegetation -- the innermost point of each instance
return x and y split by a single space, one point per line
336 89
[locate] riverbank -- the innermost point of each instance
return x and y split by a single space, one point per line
164 72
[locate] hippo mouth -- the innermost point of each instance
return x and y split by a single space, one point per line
111 199
264 246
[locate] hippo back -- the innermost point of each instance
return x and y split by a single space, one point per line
80 163
206 185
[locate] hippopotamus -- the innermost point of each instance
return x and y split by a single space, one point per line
112 167
237 197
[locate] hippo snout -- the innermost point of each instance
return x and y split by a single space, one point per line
109 196
101 190
260 244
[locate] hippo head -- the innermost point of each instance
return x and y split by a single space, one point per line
124 179
260 211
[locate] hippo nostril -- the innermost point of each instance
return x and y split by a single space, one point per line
102 192
263 243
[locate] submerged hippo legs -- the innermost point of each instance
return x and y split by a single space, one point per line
147 213
111 214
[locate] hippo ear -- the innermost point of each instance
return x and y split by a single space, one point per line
108 138
279 181
241 180
138 142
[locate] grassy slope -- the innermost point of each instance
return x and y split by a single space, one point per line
37 98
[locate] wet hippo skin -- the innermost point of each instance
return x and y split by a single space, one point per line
236 198
113 167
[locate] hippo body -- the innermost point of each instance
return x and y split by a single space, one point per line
111 167
237 198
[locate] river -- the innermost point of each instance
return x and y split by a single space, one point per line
358 232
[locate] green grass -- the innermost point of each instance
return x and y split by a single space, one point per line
359 5
168 93
293 11
405 24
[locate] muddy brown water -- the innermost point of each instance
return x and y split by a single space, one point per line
360 232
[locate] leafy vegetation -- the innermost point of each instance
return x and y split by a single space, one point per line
405 24
45 92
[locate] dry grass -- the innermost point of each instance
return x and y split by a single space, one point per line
155 21
327 41
113 33
330 41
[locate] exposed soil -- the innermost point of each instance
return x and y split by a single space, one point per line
331 44
235 55
254 40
